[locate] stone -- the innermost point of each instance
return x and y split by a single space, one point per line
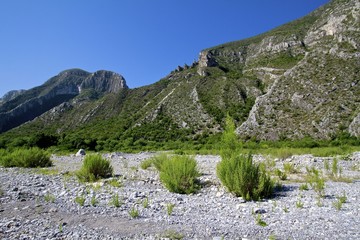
259 211
81 152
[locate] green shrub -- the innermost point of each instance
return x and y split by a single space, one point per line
115 183
145 202
158 160
260 222
244 178
146 164
282 175
80 200
304 187
179 174
316 181
49 198
299 204
28 158
94 167
237 172
290 168
170 208
94 201
115 200
134 212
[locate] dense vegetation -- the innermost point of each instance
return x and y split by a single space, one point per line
27 158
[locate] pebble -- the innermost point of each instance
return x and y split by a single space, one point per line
212 213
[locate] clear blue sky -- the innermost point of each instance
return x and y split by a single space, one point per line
143 40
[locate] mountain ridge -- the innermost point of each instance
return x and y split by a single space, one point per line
298 80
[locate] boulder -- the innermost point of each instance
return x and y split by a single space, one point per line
81 152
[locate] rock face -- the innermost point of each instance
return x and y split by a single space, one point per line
104 81
310 76
20 107
354 127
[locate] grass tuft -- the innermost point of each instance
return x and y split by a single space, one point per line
94 167
80 200
179 173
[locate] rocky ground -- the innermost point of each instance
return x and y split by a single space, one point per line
41 204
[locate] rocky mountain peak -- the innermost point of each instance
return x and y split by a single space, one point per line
104 81
19 107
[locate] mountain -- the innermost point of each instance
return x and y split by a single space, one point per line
10 95
298 80
19 107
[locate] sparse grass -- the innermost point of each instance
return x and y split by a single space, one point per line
290 168
172 234
94 167
115 183
115 201
272 237
179 173
342 198
283 152
2 193
335 173
316 181
282 175
145 202
338 204
319 203
46 171
134 212
94 202
80 200
170 208
146 164
286 210
269 164
96 186
260 222
49 198
299 204
326 165
304 187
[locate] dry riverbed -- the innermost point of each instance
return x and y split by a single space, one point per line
52 204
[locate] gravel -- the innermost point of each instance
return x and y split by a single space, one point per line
40 204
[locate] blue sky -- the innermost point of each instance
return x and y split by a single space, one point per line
142 40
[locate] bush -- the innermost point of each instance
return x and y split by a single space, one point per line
159 160
179 174
238 172
155 161
244 178
28 158
94 167
316 181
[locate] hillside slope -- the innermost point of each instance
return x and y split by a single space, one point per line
298 80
